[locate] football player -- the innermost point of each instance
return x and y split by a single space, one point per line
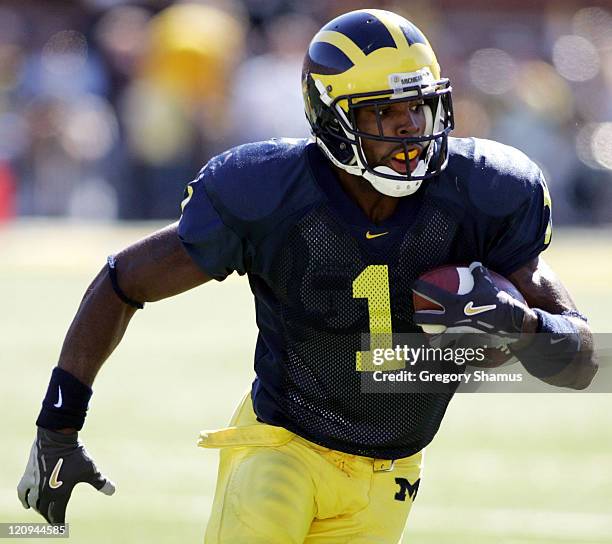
332 233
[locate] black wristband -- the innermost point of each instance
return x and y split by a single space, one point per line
66 401
112 272
553 348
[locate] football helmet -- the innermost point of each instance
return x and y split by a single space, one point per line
371 58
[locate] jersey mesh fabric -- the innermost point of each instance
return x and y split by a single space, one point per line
275 211
323 325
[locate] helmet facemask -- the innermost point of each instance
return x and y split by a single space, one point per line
342 141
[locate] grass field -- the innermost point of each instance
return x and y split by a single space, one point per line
507 469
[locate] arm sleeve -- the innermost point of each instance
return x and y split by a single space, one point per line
206 235
526 233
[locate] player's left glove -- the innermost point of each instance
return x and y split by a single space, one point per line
485 309
57 463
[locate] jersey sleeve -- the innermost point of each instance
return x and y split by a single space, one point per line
210 241
526 232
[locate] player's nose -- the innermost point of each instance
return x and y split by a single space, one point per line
410 122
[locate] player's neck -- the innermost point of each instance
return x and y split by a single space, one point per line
376 206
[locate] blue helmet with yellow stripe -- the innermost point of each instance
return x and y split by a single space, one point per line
372 58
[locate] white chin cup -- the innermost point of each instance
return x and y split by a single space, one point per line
399 188
391 187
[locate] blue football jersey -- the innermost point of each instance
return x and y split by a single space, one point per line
274 210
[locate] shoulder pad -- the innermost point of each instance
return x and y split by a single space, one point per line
497 179
251 181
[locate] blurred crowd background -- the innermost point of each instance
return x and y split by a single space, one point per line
109 107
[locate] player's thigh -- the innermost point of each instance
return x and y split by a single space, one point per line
382 521
264 495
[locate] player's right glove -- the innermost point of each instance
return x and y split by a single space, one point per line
57 463
485 309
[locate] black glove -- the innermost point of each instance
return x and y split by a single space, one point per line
57 463
485 309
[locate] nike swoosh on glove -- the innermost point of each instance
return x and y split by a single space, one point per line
484 309
57 463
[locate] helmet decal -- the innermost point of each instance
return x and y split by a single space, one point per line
328 59
364 29
412 33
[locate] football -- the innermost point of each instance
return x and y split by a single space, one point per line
458 279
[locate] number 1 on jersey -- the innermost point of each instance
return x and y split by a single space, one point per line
373 284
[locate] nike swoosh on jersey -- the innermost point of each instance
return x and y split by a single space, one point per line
54 483
370 236
58 404
470 309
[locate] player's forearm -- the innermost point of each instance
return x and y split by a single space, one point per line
579 367
579 373
151 269
544 291
96 330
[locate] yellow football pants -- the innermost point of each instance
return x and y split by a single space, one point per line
275 487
